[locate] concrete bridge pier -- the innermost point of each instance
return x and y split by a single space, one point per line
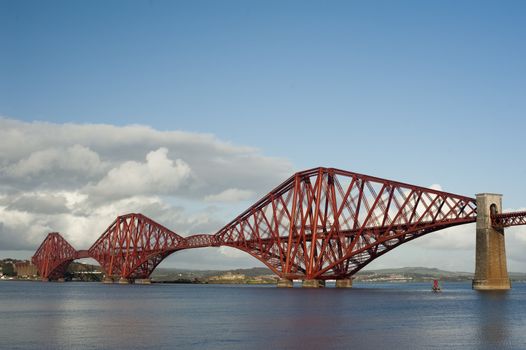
143 281
344 283
491 272
123 280
107 280
285 283
313 284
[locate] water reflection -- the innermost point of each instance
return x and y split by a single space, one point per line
321 310
493 330
94 316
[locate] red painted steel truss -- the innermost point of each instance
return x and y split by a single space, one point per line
322 223
328 223
509 219
200 241
53 256
133 246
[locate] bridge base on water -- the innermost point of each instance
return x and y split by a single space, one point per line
345 283
143 281
285 283
491 272
313 284
122 280
492 284
61 279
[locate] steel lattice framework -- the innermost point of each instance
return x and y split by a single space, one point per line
509 219
133 245
200 241
328 223
321 223
53 256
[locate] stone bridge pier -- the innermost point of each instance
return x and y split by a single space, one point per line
491 272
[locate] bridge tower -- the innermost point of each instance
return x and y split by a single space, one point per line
491 272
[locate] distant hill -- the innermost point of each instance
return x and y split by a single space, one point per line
185 274
417 271
426 273
416 274
404 273
398 274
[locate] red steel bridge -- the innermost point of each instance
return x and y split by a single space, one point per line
320 224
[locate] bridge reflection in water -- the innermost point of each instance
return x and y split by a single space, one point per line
320 224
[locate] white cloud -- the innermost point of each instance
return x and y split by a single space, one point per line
454 238
45 203
230 195
77 158
232 252
42 155
436 187
158 175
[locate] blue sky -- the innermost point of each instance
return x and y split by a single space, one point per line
422 92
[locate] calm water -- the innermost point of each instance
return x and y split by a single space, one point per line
396 316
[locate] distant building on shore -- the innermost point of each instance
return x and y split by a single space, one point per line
25 269
229 276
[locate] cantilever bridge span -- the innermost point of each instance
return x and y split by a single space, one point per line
320 224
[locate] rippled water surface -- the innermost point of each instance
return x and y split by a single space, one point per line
38 315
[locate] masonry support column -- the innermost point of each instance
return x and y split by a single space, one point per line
313 284
491 272
285 283
344 283
123 280
143 281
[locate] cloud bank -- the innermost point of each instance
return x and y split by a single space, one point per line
76 178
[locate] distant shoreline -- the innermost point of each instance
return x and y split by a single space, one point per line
256 275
